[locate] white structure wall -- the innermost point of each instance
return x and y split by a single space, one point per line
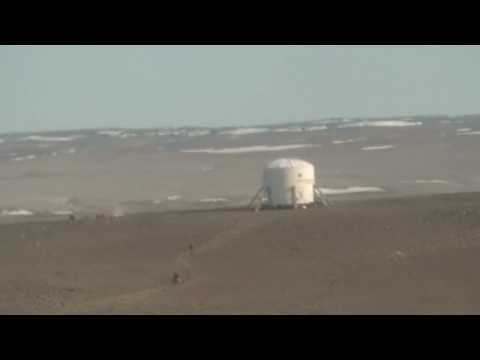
289 182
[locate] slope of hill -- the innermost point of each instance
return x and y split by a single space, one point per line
399 255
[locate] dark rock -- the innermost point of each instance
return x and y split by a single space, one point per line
176 279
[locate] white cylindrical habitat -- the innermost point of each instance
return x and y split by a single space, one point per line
289 182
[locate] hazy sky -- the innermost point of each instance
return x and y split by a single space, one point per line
70 87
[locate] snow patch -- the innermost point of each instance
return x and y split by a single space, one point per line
118 211
316 128
464 130
17 212
174 198
470 133
116 134
380 147
347 141
398 256
52 138
338 142
434 181
23 158
127 135
300 129
198 133
245 131
392 123
110 132
350 190
290 129
249 149
213 200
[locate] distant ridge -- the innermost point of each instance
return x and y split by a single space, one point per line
431 117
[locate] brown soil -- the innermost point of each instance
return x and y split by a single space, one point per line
412 255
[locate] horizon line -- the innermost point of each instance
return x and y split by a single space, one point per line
257 125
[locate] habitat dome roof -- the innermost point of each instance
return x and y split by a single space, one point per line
288 164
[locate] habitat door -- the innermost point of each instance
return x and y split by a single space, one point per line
298 195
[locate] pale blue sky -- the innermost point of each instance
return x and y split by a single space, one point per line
71 87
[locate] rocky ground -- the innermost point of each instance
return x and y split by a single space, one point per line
404 255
